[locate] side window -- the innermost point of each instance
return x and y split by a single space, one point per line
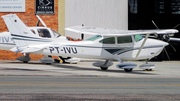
44 33
110 40
124 39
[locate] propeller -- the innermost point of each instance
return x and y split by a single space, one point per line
176 26
166 38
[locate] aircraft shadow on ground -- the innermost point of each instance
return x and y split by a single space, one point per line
69 66
19 62
98 69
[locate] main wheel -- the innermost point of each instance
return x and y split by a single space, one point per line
104 68
128 70
25 61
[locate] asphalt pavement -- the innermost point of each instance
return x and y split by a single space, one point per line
82 81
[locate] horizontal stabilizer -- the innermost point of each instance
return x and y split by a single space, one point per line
14 49
31 50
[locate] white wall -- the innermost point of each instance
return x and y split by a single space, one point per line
97 13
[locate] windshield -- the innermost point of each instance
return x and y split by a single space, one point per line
44 33
55 33
94 38
138 38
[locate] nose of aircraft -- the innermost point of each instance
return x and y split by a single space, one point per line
155 42
166 44
162 43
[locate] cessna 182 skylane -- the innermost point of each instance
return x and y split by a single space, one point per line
43 34
107 44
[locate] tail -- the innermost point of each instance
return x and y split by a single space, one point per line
18 30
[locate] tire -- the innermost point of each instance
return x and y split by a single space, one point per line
48 63
128 70
148 69
25 61
104 68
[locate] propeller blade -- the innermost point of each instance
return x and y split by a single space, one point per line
155 24
176 26
41 21
166 53
172 46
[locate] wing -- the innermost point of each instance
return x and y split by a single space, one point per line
114 32
160 31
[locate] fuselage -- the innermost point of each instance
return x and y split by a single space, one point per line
6 43
108 48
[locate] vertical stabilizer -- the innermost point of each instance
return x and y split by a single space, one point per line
17 29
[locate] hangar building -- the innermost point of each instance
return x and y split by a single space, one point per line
118 14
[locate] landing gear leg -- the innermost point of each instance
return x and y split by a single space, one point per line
27 56
104 66
63 59
24 58
147 66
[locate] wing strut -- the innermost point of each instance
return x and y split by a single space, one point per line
147 35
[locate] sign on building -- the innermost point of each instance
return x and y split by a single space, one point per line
44 7
12 5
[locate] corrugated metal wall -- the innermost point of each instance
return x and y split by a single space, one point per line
97 13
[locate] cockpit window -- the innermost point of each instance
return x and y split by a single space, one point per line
44 33
110 40
124 39
138 38
94 38
55 33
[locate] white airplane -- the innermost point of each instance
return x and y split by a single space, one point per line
107 44
43 34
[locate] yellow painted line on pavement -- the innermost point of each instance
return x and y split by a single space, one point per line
88 84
